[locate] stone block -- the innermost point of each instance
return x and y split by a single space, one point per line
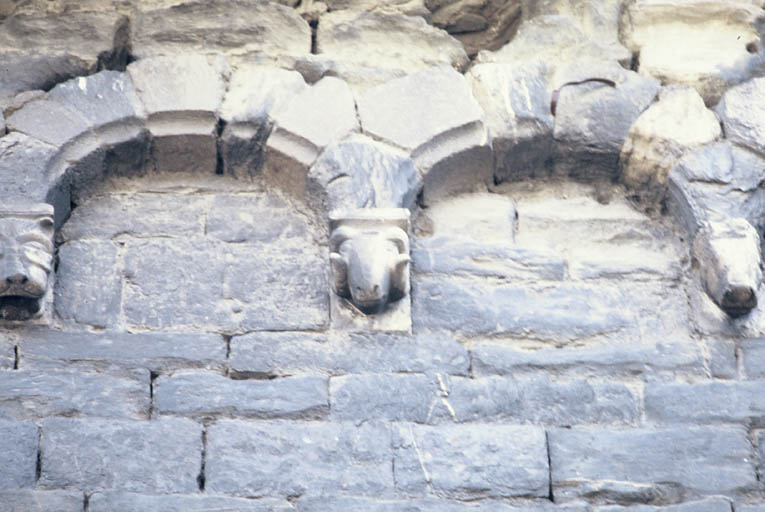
206 394
264 353
45 350
717 504
433 115
627 262
711 402
259 218
116 455
333 503
516 99
742 507
481 218
255 94
369 266
593 119
41 501
7 352
394 45
28 394
468 462
753 352
291 458
651 465
319 116
722 358
742 113
89 283
132 502
559 313
18 450
52 122
138 215
362 173
261 29
181 96
491 357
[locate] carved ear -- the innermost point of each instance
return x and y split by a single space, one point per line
399 237
339 270
399 282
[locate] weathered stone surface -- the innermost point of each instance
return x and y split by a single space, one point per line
651 465
49 121
131 502
495 357
255 95
291 458
256 218
181 96
2 124
560 313
41 501
729 257
516 99
433 115
706 45
592 119
722 358
116 454
706 505
740 507
394 45
262 354
327 504
470 461
239 28
742 112
45 350
41 49
361 173
18 450
753 352
677 122
7 352
478 26
203 393
31 394
314 119
709 402
88 283
480 217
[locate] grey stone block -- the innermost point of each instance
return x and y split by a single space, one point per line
29 394
41 501
257 218
332 503
204 394
41 349
281 458
562 313
143 215
162 456
753 352
89 283
742 113
717 504
722 358
49 121
2 124
314 119
18 454
741 507
651 465
7 352
468 462
290 353
362 173
131 502
711 402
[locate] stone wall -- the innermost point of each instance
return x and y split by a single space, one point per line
563 198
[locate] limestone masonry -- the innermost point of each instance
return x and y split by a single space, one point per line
411 255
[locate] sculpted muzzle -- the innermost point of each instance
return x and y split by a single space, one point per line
26 256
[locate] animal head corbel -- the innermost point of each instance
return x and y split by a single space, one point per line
26 257
369 257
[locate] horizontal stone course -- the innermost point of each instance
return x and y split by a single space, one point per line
651 465
162 456
467 462
28 394
716 504
41 501
18 454
287 459
203 393
43 349
334 504
131 502
709 402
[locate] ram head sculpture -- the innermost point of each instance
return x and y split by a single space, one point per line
26 257
369 257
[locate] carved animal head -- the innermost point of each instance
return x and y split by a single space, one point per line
370 267
728 253
26 254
